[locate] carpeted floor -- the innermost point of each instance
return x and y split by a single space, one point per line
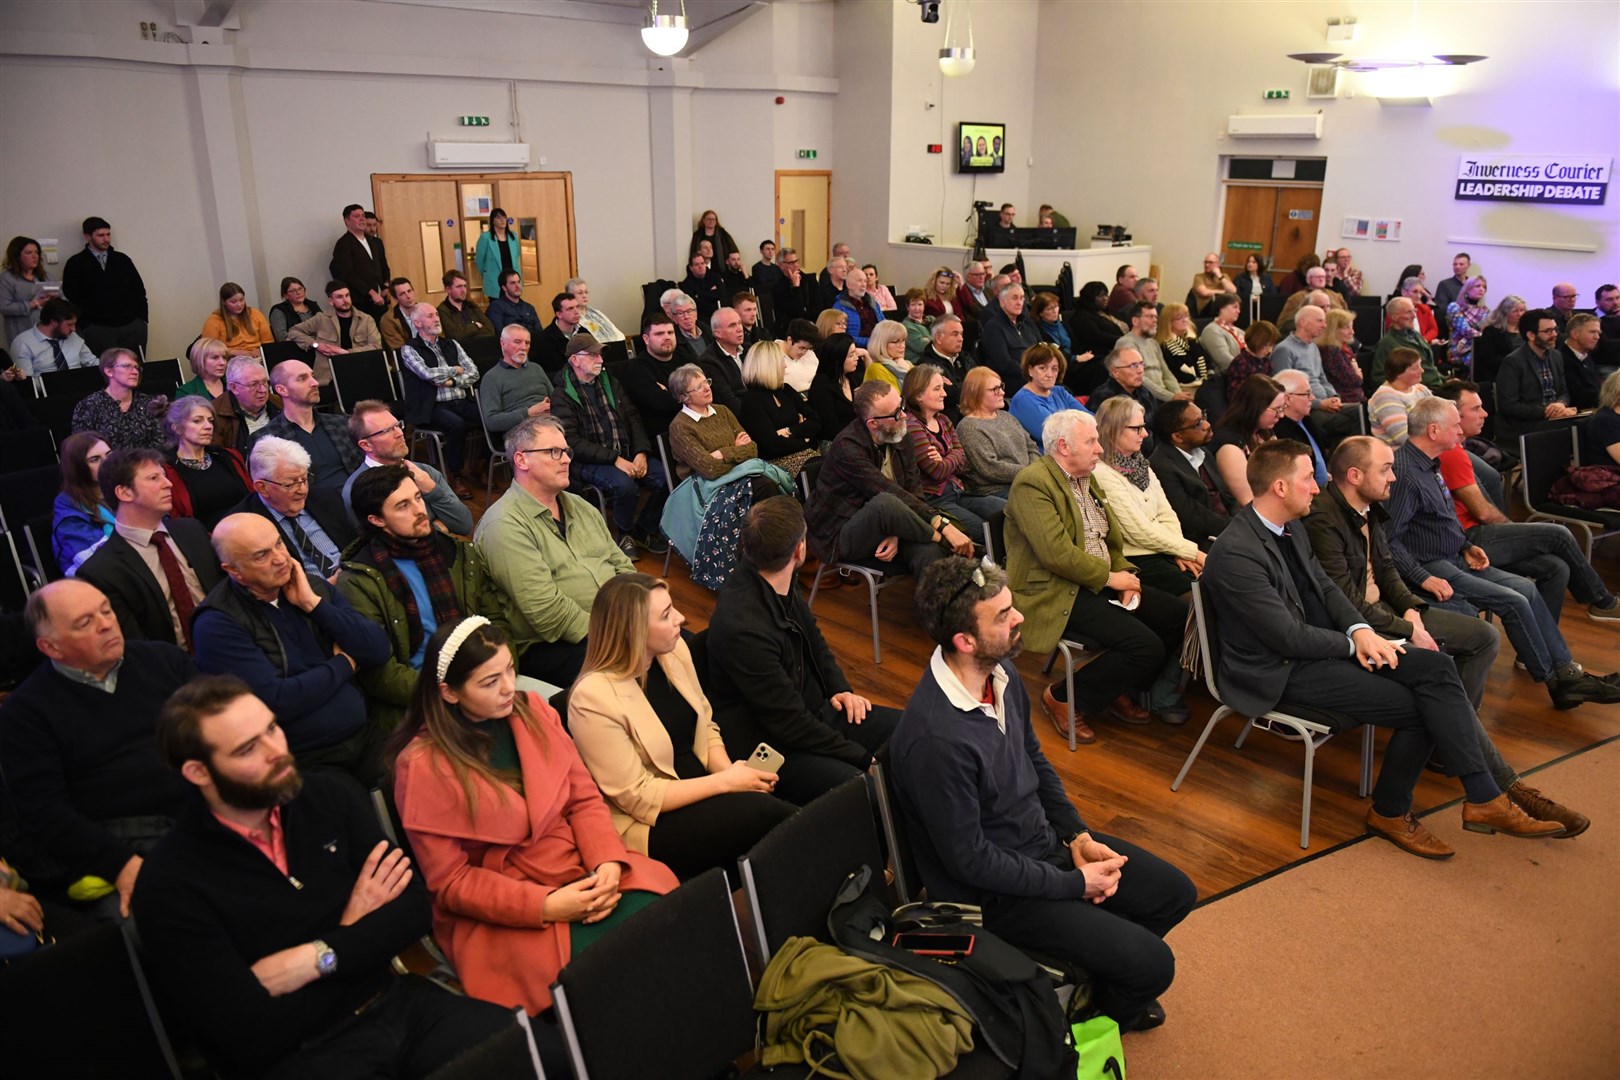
1367 962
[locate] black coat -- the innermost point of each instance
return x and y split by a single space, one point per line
1519 407
765 412
361 272
118 570
1335 532
647 382
110 297
835 411
725 376
566 408
1187 495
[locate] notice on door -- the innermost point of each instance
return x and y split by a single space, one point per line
1571 179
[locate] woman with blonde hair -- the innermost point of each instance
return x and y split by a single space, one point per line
1178 342
776 416
208 357
243 329
886 353
509 831
996 444
1467 315
939 295
830 322
1151 532
647 733
1338 348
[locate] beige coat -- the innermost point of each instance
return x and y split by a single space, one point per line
323 327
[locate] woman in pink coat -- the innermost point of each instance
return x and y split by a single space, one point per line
507 827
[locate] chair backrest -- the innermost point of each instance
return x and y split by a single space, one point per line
357 376
40 556
161 377
1206 638
661 443
497 447
275 352
1211 397
484 352
676 969
29 448
1543 456
27 494
74 383
995 537
809 475
1271 305
908 884
509 1053
793 874
1368 322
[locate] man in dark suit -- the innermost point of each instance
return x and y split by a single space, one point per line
1290 640
313 522
359 262
154 571
947 351
1184 471
1530 388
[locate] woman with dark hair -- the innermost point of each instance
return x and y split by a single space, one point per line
941 459
1048 312
124 416
710 229
1295 281
1498 337
647 733
509 831
295 307
209 357
243 329
1255 279
22 287
840 368
1254 358
1221 339
1253 411
79 518
1413 270
497 252
1092 330
207 481
1043 394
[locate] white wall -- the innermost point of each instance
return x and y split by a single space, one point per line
1137 133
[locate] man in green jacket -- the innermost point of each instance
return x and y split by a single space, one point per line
410 579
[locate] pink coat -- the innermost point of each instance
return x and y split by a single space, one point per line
490 874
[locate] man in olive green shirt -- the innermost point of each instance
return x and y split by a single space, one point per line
548 550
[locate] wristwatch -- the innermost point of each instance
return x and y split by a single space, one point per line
325 959
1068 841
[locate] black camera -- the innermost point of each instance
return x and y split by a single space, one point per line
981 204
930 10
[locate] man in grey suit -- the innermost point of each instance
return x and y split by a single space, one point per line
1290 639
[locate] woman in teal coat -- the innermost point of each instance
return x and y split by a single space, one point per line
497 252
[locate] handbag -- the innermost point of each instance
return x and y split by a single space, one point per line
1102 1055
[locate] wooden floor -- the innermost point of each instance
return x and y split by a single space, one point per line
1237 815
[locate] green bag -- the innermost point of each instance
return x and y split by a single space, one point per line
1102 1056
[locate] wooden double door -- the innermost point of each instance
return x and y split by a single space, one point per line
432 223
1278 222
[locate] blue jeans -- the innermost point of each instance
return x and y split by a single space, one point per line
623 493
1546 554
1489 481
1531 628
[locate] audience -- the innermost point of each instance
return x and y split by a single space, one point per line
381 438
859 307
83 780
395 326
940 293
916 323
1290 640
840 368
691 342
1186 471
1298 352
832 321
1123 295
940 459
647 374
1042 394
995 441
1581 376
1337 347
971 299
1006 333
703 284
766 275
125 417
440 392
297 643
324 436
510 307
1179 346
775 416
548 551
833 278
1254 280
1221 340
515 842
347 328
23 278
1150 533
1466 317
710 229
1298 278
247 956
1603 429
461 319
647 733
945 351
53 343
1250 417
1450 290
595 322
108 292
1296 421
1483 482
886 354
1254 358
1564 297
80 517
1125 379
1156 375
723 362
705 438
799 342
1210 283
1400 316
359 261
243 329
514 389
992 824
313 522
797 296
1390 403
246 407
295 307
746 305
209 358
1531 392
206 481
551 344
773 678
499 250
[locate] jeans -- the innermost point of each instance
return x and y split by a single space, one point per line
624 493
1489 481
1546 554
1531 628
970 512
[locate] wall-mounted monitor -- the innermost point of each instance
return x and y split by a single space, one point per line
981 147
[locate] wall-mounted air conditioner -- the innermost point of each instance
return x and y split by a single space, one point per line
478 155
1271 126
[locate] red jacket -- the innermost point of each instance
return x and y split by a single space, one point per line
182 497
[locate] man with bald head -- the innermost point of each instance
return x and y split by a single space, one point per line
1299 352
1564 298
325 435
297 642
81 768
1400 320
439 379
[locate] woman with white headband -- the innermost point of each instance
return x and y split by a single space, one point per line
506 825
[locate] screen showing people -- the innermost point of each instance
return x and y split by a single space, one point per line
983 147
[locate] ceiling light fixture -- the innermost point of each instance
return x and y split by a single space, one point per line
1373 64
665 34
957 57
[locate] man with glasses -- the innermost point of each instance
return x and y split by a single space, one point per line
323 435
1127 377
1531 393
1292 424
548 550
313 521
245 408
1564 298
1298 352
381 437
682 311
1156 374
867 504
795 294
1184 471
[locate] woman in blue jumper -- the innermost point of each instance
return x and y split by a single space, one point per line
1044 394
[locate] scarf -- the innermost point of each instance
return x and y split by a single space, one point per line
429 558
1133 467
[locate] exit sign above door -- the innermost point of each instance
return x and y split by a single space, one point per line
807 154
475 121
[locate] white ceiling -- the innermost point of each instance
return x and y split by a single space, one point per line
699 13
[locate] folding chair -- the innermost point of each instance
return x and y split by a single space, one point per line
26 496
669 485
1543 458
359 376
497 450
29 448
161 377
1310 734
484 352
38 558
876 577
508 1055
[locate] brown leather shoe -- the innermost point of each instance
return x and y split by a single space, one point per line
1058 712
1541 808
1502 815
1126 708
1407 833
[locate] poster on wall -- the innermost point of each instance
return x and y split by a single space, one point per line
1355 228
1570 179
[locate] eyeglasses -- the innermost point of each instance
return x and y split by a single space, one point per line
1299 393
261 384
1198 423
1142 428
999 388
291 485
555 453
397 425
897 414
1277 410
975 580
126 367
1138 366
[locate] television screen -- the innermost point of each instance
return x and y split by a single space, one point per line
981 147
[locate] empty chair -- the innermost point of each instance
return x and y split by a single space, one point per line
484 352
274 352
161 377
36 554
30 448
358 376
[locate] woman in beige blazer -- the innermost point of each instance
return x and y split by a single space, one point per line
647 734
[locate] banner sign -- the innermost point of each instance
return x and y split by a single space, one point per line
1539 178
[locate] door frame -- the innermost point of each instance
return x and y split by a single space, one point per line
378 179
1273 185
776 205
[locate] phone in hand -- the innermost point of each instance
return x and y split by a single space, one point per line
950 945
765 759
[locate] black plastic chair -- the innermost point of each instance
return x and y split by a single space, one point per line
274 352
1543 458
507 1055
359 376
29 448
161 377
36 555
484 352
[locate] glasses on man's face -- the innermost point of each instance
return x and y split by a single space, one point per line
897 414
397 425
126 367
1299 393
1198 423
555 453
291 485
261 384
1138 366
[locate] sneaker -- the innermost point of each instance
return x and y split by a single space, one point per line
653 542
627 544
1598 613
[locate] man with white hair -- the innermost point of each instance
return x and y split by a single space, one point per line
723 362
313 521
323 435
244 409
690 341
834 276
1400 332
439 390
1294 422
595 322
514 388
945 345
1298 351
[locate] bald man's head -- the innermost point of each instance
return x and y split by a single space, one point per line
73 623
250 549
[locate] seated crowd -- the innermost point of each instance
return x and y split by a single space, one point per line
312 614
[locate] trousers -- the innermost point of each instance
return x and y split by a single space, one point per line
885 515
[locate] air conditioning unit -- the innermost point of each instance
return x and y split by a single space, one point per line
1270 126
478 155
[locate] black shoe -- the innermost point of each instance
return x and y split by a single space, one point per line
1569 692
1151 1018
653 542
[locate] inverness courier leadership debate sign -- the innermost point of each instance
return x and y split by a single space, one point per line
1539 178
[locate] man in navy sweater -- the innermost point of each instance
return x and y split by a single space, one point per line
296 642
996 828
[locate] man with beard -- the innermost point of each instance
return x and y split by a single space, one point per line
272 909
994 826
333 333
1185 469
646 376
323 435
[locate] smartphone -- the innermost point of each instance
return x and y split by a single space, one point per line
765 759
935 944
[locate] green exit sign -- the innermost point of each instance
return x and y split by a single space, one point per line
475 121
807 154
1278 95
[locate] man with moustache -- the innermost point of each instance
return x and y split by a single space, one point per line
335 332
1184 470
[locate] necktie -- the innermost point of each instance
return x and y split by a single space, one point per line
61 357
179 591
307 551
